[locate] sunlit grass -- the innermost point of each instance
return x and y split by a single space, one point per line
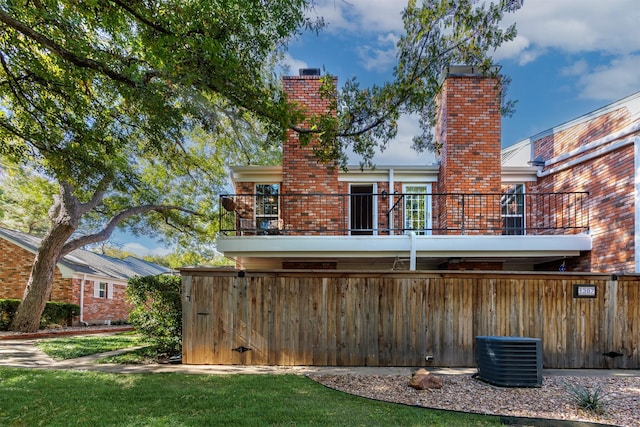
78 346
73 398
141 356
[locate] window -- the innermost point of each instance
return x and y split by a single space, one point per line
512 202
102 290
267 206
417 208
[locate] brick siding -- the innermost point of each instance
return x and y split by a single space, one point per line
468 127
301 171
15 268
469 131
609 179
98 310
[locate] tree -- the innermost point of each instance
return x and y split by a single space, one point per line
438 33
101 96
25 198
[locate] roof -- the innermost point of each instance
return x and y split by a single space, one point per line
519 153
87 262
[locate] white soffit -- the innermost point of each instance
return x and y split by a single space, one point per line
385 246
266 174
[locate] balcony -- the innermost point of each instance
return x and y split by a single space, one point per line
432 214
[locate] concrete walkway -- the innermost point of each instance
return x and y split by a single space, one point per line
22 353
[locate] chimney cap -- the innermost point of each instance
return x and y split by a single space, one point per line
309 72
467 70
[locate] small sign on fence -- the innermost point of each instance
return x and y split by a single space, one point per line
585 291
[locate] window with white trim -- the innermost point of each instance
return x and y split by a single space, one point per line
267 206
103 290
417 208
513 215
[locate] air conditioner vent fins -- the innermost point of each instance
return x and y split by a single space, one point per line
509 361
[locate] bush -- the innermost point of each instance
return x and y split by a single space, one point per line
8 309
157 311
59 313
56 313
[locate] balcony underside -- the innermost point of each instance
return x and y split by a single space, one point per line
381 252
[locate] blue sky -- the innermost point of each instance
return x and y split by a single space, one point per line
570 57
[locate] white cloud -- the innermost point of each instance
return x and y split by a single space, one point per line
615 80
578 68
361 15
141 250
380 56
574 26
512 49
399 151
293 65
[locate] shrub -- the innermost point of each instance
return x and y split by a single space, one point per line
59 313
586 399
56 313
157 311
8 309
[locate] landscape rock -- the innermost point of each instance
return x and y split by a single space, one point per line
423 380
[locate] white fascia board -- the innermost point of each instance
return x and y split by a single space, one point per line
66 272
95 278
384 246
428 173
518 174
266 174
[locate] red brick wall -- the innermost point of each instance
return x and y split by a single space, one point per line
302 174
469 127
98 310
609 179
15 268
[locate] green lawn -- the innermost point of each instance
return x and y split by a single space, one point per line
74 398
84 345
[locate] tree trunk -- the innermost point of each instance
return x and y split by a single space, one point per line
38 290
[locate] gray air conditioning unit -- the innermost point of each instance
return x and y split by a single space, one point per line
509 361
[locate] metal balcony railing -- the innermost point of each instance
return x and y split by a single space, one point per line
389 214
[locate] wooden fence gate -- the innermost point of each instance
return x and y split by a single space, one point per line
398 318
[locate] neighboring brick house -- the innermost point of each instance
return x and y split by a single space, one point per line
563 199
95 282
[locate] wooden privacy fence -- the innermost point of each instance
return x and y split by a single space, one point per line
398 318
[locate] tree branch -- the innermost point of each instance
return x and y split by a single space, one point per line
64 53
106 232
96 197
139 17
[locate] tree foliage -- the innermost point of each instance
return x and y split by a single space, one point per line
25 198
438 34
131 107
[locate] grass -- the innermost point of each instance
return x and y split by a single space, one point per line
141 356
78 346
73 398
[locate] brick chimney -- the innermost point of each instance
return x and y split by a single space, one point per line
301 171
468 127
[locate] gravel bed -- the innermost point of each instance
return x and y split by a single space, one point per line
463 393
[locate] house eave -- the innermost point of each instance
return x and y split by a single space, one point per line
389 246
519 174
